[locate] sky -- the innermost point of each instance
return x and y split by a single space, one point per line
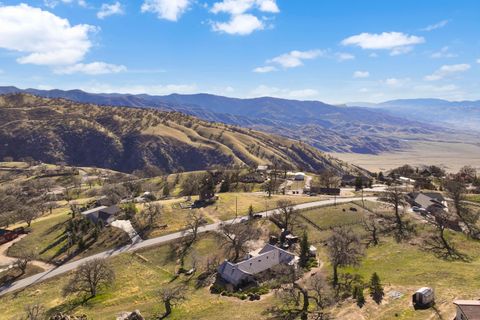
336 51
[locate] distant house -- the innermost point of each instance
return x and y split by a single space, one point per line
329 191
406 180
299 176
467 309
242 273
102 215
429 201
262 168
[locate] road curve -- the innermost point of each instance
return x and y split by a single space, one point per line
37 278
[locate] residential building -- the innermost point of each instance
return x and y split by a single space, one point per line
242 273
467 309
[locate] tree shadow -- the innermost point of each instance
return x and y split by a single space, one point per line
441 251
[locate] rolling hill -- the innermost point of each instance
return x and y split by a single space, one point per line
455 114
126 139
326 127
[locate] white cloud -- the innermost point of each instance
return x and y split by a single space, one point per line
107 10
443 53
233 7
436 89
342 56
478 60
236 7
265 69
396 82
166 9
93 68
397 42
242 24
295 58
53 3
268 6
242 21
437 25
447 70
401 50
41 37
264 91
361 74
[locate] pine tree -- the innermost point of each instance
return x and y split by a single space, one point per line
304 250
166 190
359 296
376 288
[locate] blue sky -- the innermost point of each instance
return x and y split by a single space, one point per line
331 50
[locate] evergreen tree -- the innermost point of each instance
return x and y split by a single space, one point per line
376 288
358 295
304 250
225 186
166 190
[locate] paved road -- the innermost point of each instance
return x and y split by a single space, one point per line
37 278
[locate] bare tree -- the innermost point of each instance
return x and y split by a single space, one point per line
190 236
305 301
21 263
438 243
456 191
171 297
90 277
27 214
270 186
329 179
34 312
286 216
152 212
235 237
374 230
402 228
344 249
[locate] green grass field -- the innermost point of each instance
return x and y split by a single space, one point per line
402 267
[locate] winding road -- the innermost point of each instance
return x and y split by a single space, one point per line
37 278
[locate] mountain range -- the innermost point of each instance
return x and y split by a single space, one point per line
454 114
54 130
327 127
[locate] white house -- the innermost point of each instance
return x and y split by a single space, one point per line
467 309
244 272
299 176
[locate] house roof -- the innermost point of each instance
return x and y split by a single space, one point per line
111 210
267 258
426 200
94 210
470 308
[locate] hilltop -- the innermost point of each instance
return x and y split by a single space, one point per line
127 139
327 127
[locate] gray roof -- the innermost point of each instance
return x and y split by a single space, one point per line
267 258
103 214
426 200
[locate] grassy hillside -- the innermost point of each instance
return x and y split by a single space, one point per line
126 139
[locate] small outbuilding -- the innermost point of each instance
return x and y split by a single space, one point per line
299 176
423 298
467 309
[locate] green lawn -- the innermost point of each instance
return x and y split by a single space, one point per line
402 267
137 283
